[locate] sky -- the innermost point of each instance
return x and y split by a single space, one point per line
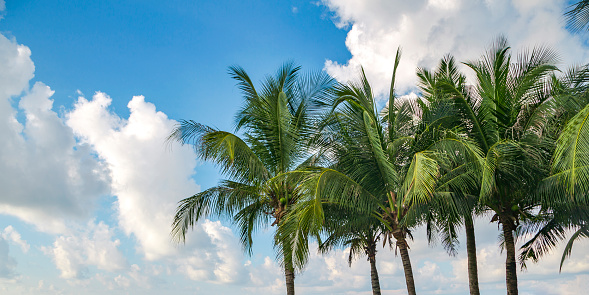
89 90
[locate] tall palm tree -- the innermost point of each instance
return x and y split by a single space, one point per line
359 232
362 175
275 122
506 113
566 205
437 219
382 163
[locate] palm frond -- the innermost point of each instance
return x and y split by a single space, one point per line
572 155
248 220
391 116
583 232
419 184
577 16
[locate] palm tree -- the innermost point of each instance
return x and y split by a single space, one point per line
362 177
437 218
275 122
382 163
505 113
566 205
359 232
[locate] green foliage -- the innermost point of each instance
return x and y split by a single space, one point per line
276 123
319 160
384 170
564 191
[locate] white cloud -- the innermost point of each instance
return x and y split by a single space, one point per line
577 285
427 30
11 234
148 178
267 278
55 169
435 272
134 277
52 173
47 176
213 254
91 246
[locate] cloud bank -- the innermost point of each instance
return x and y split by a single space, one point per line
56 169
426 30
48 176
147 177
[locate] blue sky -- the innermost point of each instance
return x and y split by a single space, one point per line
90 89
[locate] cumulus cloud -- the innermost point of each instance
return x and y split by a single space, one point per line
47 176
147 177
428 29
435 272
134 277
577 285
213 254
267 278
92 246
54 169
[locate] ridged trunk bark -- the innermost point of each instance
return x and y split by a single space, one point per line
289 275
471 252
510 262
374 275
403 248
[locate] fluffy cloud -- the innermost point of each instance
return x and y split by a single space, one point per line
91 246
428 29
55 168
267 278
134 277
47 176
577 285
435 272
213 254
147 177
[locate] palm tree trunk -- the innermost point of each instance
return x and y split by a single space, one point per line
471 252
289 274
510 266
403 248
374 276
